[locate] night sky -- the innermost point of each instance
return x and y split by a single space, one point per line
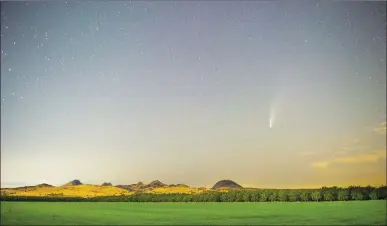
266 93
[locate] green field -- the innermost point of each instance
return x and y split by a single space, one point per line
323 213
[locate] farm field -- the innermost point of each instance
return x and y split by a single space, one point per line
115 213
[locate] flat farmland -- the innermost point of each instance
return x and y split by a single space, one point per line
116 213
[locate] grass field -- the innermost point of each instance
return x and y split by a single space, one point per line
323 213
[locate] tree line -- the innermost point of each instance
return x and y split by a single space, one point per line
239 195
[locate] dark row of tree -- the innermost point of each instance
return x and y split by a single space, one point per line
240 195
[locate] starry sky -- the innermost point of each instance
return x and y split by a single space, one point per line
186 92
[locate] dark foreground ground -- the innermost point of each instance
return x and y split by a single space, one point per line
323 213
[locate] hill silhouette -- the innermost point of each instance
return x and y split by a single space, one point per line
126 187
226 184
142 187
155 184
44 185
137 186
73 182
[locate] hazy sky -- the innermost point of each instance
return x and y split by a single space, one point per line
183 92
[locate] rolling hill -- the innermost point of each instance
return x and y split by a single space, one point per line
226 184
78 189
72 188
